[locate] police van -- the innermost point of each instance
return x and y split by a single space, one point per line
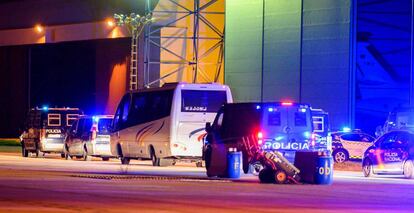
89 136
44 130
279 126
392 153
166 124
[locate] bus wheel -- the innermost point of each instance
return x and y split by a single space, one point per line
154 159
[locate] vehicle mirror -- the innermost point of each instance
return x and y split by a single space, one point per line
208 127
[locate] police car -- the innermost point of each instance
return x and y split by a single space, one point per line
350 145
392 153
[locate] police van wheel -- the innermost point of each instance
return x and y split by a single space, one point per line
125 160
367 168
105 158
25 153
266 175
280 176
409 169
85 156
340 156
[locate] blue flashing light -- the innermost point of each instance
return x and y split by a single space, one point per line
279 138
270 109
346 129
95 119
45 108
302 110
258 107
307 134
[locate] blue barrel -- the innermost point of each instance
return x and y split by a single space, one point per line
324 170
234 164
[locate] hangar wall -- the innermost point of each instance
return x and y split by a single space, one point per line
306 53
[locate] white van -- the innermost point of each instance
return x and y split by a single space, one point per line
167 123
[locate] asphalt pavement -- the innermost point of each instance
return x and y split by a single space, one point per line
52 184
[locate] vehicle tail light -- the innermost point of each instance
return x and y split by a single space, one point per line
260 138
287 103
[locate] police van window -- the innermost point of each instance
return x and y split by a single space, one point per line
300 119
273 119
202 100
53 119
318 124
70 118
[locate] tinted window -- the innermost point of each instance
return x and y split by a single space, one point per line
202 101
273 119
70 118
351 137
241 121
104 125
87 126
125 111
387 141
300 119
80 127
149 106
402 139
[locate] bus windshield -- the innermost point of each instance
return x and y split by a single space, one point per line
202 100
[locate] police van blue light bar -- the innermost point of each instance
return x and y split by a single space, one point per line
96 119
346 129
45 108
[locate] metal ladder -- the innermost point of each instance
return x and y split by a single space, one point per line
133 74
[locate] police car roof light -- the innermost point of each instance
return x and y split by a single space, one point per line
346 129
45 108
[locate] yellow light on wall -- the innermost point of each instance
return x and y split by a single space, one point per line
110 23
39 28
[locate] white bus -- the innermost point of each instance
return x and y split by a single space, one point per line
165 124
